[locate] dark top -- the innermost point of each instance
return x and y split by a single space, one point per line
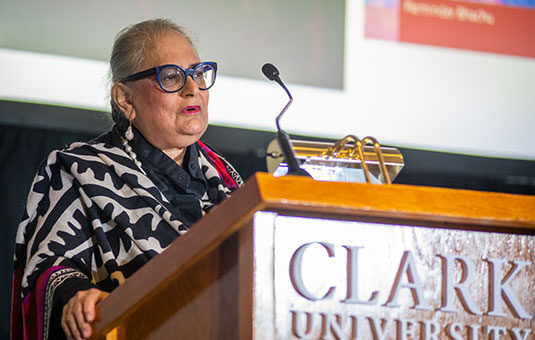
182 185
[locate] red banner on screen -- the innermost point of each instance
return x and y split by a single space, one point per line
459 24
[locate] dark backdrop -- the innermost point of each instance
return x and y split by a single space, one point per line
28 132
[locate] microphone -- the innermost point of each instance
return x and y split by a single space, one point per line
283 138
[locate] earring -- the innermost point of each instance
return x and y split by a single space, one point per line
129 134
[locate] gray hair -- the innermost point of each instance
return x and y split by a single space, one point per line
129 50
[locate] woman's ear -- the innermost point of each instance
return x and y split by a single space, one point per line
122 96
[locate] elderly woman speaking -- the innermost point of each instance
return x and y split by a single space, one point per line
100 210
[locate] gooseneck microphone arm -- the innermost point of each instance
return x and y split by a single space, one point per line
283 138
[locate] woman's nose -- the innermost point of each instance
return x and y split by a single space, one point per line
190 87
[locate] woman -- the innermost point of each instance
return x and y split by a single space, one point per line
100 210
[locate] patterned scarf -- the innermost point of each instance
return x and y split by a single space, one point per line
92 214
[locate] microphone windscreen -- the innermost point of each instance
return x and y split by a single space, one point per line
270 71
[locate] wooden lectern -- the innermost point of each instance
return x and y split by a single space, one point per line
290 257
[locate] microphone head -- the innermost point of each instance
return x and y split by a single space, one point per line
270 71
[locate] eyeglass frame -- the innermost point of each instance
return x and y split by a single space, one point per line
156 70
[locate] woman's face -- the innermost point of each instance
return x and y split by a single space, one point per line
169 121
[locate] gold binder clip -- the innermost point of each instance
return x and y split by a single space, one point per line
357 153
379 154
336 150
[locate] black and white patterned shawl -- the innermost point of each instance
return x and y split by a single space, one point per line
92 213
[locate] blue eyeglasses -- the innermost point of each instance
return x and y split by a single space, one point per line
172 78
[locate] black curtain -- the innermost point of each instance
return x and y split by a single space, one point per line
23 149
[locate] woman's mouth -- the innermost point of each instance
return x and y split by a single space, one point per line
192 109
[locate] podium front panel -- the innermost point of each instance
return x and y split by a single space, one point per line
331 279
